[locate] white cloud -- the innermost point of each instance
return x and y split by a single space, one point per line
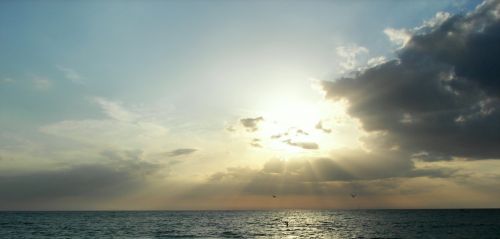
376 61
402 36
350 55
71 74
436 21
398 36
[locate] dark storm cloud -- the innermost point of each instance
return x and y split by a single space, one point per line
441 94
121 173
181 151
251 124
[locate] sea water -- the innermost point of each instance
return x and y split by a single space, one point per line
481 223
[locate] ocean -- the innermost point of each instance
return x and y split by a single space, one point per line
468 223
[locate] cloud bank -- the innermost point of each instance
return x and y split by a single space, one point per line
119 173
375 173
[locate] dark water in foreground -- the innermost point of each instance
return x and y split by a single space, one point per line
251 224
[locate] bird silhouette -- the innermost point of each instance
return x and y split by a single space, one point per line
274 196
353 195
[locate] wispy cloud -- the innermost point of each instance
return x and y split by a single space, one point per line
181 152
70 74
121 128
115 110
41 83
7 80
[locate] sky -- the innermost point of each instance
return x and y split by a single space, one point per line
188 105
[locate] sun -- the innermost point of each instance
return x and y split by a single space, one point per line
291 128
296 123
304 127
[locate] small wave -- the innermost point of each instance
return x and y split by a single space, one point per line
231 234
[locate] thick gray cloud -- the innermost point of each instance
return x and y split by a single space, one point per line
343 172
442 93
348 165
120 173
181 151
251 124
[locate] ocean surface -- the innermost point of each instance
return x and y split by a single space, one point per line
468 223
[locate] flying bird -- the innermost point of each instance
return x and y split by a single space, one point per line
353 195
274 196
